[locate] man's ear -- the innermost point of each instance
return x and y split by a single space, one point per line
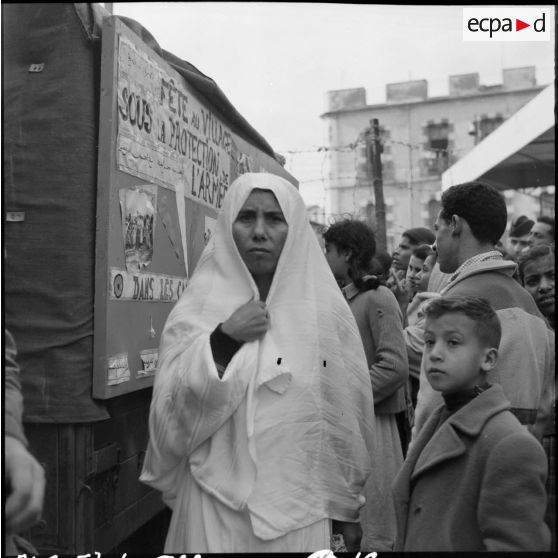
456 224
347 255
489 360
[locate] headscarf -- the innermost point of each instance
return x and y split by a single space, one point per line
288 430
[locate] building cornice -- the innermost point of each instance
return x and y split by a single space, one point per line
432 100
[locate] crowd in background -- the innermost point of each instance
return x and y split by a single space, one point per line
462 255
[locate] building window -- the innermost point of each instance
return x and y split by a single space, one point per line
484 126
437 147
384 138
388 171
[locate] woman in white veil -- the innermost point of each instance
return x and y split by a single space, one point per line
262 417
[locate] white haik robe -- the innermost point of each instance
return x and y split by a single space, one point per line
261 459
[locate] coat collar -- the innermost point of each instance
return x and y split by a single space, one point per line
350 291
446 442
506 267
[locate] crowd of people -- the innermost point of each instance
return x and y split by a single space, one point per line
354 400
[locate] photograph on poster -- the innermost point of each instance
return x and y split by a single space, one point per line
138 207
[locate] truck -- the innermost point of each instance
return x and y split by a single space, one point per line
117 157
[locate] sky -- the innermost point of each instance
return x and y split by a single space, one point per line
275 61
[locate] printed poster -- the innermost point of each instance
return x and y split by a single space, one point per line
165 135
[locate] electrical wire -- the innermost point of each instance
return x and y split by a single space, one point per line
352 146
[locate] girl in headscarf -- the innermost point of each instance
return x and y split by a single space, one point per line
262 415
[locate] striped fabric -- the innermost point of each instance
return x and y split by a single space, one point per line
485 256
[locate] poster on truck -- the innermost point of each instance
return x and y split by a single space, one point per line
167 158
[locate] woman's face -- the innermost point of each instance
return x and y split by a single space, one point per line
260 231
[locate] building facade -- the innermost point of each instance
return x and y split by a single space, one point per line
421 137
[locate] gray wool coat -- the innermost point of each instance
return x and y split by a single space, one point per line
477 483
380 323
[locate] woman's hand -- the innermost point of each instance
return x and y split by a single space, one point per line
247 323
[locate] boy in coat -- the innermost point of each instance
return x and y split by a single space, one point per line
474 478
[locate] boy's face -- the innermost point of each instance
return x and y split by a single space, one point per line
337 260
414 272
455 358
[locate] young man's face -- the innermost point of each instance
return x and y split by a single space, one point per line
541 233
402 254
516 244
446 246
538 279
454 357
338 261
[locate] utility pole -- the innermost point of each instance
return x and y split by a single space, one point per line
374 172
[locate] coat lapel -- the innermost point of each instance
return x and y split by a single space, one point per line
445 444
401 487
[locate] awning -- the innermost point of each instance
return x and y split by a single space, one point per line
518 154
